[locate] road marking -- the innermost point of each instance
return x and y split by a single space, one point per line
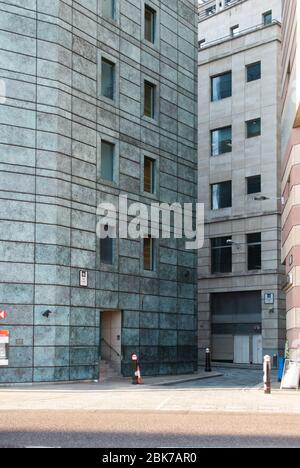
163 403
41 447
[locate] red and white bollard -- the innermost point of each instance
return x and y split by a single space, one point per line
136 377
267 375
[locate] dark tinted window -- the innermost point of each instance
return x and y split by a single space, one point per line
150 20
253 128
149 100
108 79
221 195
221 141
254 72
107 251
221 255
253 184
107 160
221 86
254 251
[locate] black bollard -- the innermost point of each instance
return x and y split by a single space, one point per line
207 360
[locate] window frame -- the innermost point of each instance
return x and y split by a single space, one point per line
220 184
247 70
113 145
154 105
215 271
153 12
106 60
212 78
235 28
153 182
111 262
251 245
152 254
114 16
265 15
248 179
212 142
256 135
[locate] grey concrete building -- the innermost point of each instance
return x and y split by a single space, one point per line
100 100
241 303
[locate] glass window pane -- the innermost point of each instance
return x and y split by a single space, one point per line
107 161
150 18
107 251
253 185
221 195
221 86
149 175
267 18
108 8
254 72
254 251
108 79
221 141
253 128
149 100
221 255
149 255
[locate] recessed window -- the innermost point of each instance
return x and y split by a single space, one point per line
253 185
149 100
235 30
221 141
107 249
253 72
253 128
201 43
254 251
150 24
221 255
109 8
221 86
268 18
107 161
149 175
221 195
108 79
149 254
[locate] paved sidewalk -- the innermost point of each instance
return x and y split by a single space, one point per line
191 397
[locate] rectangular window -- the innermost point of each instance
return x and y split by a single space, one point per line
253 128
107 161
254 251
221 141
221 86
149 175
221 255
108 79
221 195
253 185
149 100
109 9
253 72
268 18
235 30
150 24
149 254
107 251
201 43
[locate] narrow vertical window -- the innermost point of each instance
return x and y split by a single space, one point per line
150 24
254 251
149 176
107 161
221 255
149 254
108 79
149 100
109 9
268 18
107 250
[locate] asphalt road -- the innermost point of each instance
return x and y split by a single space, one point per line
98 429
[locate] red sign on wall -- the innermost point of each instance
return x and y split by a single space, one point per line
3 314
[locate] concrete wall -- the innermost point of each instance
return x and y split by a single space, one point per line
51 126
249 157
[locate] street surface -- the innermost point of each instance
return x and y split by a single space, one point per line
228 411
